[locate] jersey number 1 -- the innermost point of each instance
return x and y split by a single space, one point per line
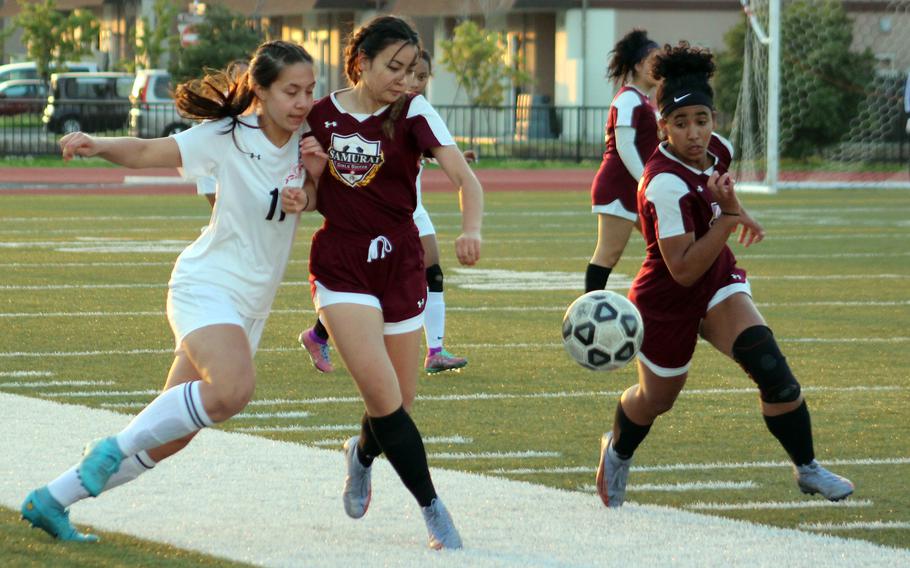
274 193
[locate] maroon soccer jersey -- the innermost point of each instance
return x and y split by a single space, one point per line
369 183
674 199
613 181
367 194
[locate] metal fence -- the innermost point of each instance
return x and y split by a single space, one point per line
524 132
513 132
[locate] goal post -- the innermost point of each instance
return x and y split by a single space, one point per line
820 101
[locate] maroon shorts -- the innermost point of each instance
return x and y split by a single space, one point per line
669 344
614 190
388 267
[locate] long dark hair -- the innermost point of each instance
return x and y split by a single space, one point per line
370 39
683 68
627 53
221 95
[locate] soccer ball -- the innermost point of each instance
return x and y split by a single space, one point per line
602 330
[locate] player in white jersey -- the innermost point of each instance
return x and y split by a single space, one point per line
208 185
316 339
223 284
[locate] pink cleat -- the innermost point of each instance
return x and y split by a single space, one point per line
318 350
442 360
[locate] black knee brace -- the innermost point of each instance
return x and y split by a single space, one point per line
434 278
757 353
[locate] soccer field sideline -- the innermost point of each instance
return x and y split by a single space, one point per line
274 503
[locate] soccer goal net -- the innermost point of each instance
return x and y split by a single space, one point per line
822 96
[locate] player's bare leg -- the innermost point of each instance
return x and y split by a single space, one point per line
612 237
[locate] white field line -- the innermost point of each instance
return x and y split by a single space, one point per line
494 455
271 415
462 309
478 396
856 526
533 346
579 212
45 384
298 428
68 265
684 487
764 505
745 255
560 529
100 394
429 440
25 374
462 274
698 466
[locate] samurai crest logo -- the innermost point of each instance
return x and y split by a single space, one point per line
354 160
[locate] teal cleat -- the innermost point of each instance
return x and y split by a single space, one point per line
42 511
100 461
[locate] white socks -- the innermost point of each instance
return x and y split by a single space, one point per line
67 489
174 414
434 320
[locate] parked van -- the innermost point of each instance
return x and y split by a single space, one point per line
28 70
153 113
90 102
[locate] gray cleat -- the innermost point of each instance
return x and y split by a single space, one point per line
612 474
358 488
440 527
813 478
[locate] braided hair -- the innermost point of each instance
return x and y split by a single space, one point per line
369 40
631 50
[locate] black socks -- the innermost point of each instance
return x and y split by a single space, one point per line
630 434
403 447
596 277
320 330
794 432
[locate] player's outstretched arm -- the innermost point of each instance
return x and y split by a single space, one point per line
129 152
452 162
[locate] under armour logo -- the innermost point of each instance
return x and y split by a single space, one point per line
420 303
700 189
255 156
330 124
677 99
736 276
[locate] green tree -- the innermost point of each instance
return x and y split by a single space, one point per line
50 35
822 81
477 58
223 36
156 33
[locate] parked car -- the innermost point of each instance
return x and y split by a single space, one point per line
153 113
28 70
90 102
23 96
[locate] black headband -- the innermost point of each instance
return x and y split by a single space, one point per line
684 97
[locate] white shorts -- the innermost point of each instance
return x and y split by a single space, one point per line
193 307
422 220
325 297
615 209
206 185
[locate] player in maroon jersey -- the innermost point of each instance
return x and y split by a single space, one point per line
631 136
316 339
689 285
366 262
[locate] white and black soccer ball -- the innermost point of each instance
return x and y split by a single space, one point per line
602 330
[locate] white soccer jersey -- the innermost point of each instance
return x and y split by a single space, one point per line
246 246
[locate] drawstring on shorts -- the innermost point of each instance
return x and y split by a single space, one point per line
379 248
